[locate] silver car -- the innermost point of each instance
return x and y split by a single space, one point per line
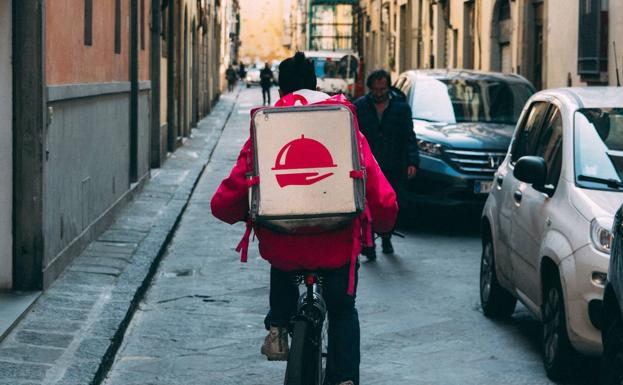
546 223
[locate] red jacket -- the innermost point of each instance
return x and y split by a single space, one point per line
328 250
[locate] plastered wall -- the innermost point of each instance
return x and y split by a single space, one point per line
6 147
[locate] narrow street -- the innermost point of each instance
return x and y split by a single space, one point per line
201 321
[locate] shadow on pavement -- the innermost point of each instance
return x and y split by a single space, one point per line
441 220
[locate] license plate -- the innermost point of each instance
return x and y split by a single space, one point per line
482 187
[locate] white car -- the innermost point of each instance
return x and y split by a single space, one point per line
253 77
546 223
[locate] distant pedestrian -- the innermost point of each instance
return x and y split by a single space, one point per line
231 76
266 81
385 119
242 71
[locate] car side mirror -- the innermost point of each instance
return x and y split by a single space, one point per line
532 170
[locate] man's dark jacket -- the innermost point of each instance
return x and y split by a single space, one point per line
392 140
266 77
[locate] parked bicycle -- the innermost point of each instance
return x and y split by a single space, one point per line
308 349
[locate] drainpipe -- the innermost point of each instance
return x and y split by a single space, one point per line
155 142
171 76
133 91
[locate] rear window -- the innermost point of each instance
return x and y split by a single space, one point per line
467 100
345 68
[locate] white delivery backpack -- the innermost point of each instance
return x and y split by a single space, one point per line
307 175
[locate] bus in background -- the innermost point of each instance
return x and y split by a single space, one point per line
337 71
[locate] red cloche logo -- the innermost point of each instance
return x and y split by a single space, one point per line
302 153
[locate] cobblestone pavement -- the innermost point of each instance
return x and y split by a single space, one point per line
162 297
74 328
201 320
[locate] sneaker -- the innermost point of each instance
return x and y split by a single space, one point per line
387 245
349 382
275 346
369 252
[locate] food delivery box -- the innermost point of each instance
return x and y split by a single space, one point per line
307 176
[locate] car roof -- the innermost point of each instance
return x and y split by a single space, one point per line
588 97
465 74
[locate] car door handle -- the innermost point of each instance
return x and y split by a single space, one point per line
517 196
499 180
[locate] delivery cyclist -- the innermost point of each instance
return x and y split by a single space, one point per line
334 252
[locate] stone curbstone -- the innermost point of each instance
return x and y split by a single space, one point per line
107 281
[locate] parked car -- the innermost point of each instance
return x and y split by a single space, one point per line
546 223
463 121
253 77
612 322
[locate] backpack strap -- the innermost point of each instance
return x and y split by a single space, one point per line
243 246
353 257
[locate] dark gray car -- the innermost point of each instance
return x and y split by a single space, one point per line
612 323
464 121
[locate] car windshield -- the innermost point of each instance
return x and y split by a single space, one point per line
467 100
345 68
599 148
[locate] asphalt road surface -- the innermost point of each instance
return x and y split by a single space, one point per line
201 322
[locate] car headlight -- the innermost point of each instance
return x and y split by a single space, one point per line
429 148
601 236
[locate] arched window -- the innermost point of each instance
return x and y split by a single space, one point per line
504 11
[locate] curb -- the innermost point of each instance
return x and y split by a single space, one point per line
145 264
73 332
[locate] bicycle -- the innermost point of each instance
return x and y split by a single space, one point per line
308 349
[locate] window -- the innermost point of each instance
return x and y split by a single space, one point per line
88 22
406 87
598 149
460 100
549 146
505 10
400 82
117 26
593 41
527 134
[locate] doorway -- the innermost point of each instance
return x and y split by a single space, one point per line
501 32
6 147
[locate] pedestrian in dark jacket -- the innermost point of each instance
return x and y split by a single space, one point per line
385 120
231 76
266 81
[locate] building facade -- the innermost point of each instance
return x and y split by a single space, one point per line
102 91
552 43
263 31
322 25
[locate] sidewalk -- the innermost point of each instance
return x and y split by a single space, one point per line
72 332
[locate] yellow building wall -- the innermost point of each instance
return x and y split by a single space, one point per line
262 31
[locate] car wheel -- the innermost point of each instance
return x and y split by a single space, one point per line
496 301
612 358
557 350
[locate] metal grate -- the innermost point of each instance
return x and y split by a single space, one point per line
480 162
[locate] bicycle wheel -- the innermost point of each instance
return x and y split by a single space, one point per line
305 356
324 350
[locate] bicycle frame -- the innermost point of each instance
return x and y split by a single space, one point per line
311 305
305 366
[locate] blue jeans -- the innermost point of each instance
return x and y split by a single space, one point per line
343 354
